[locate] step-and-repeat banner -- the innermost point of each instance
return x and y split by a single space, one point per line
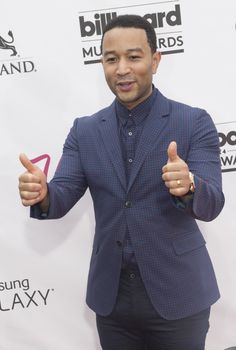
50 74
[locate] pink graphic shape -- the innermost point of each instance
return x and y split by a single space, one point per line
39 158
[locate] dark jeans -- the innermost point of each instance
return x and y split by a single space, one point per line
134 324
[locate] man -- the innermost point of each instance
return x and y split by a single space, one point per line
152 167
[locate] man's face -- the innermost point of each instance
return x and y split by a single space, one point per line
129 64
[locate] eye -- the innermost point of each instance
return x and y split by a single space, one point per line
134 57
111 59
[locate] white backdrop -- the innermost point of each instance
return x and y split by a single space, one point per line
44 265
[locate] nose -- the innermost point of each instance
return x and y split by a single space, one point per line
123 67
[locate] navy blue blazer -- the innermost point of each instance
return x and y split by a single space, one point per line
169 247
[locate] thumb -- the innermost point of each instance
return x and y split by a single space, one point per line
172 152
27 164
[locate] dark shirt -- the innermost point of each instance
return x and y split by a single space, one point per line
130 126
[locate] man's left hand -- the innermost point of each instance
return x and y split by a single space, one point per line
176 172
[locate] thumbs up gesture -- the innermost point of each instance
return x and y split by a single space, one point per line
32 183
176 172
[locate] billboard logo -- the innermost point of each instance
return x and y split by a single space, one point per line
227 138
165 17
89 28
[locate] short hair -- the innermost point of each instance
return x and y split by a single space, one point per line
133 21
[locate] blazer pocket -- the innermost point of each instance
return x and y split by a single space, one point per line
188 243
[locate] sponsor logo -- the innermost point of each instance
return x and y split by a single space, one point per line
227 137
164 16
6 44
10 61
45 168
17 295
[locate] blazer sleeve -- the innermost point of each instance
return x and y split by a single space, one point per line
204 162
69 182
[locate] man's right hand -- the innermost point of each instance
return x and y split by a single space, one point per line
32 184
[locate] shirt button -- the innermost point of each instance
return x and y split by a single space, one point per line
130 160
128 204
132 275
130 133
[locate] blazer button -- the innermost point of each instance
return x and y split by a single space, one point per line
128 204
119 243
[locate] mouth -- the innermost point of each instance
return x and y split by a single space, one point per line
125 86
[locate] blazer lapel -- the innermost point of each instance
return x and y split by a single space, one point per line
109 133
154 125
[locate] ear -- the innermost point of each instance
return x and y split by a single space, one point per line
156 58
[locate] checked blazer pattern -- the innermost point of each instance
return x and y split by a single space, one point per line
169 247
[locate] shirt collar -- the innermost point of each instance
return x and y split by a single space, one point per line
138 113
